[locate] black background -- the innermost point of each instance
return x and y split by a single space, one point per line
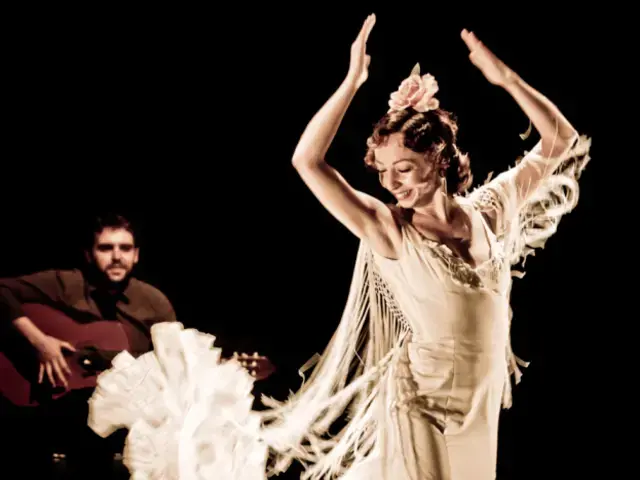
186 121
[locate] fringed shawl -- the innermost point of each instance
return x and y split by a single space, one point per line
524 226
351 378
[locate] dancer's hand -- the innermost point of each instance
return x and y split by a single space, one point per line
491 66
359 64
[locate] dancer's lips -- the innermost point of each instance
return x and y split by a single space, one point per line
403 195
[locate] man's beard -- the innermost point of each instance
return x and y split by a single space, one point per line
118 267
115 282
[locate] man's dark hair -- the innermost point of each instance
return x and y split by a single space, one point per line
108 220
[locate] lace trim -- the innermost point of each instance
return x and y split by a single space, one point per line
485 275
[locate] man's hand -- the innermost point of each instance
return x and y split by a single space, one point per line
52 360
49 351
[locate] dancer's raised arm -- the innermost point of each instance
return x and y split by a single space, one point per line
319 134
557 135
365 216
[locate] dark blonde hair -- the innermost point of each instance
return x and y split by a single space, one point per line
432 133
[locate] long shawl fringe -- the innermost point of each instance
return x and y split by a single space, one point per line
529 227
352 380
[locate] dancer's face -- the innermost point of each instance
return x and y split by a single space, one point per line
411 177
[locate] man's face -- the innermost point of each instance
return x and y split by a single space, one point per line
114 253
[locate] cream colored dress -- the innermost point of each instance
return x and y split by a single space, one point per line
431 335
451 374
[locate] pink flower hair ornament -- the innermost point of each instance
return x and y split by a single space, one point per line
415 91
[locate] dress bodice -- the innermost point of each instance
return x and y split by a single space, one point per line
443 298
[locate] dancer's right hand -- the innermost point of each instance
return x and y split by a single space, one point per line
359 64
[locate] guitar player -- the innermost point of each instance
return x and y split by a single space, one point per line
102 289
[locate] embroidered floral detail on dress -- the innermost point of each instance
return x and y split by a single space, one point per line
487 274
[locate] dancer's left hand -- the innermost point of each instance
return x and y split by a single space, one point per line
491 66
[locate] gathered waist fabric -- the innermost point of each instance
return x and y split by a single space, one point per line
451 384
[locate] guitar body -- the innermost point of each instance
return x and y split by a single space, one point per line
19 364
96 343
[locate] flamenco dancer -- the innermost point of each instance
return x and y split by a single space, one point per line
431 288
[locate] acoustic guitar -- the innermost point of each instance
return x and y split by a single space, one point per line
96 344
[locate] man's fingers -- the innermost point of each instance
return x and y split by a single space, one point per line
68 346
65 365
60 374
41 373
50 374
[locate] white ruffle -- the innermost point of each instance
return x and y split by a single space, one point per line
189 415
